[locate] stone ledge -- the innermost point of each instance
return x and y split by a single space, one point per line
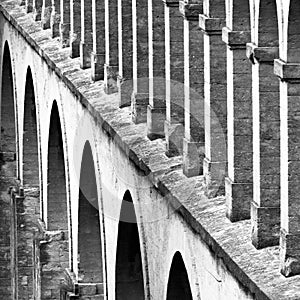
211 26
235 39
171 3
261 54
287 71
256 270
190 11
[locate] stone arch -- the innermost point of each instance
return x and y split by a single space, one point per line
30 136
268 24
8 118
57 210
90 265
293 38
129 270
178 283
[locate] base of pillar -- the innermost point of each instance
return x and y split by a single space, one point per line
75 48
110 79
29 7
193 155
46 17
64 31
289 253
55 25
174 133
214 174
238 200
139 103
37 14
156 117
85 55
125 91
265 224
97 65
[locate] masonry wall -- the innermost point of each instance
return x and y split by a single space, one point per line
162 231
174 212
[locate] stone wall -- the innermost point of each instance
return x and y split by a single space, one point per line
192 194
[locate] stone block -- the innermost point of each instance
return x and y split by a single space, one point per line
139 103
193 155
238 200
174 133
214 174
156 117
110 78
125 91
265 223
85 55
64 29
289 253
97 66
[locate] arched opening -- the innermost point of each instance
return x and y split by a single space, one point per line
178 284
8 126
8 172
89 236
129 272
57 215
267 24
30 141
293 50
240 15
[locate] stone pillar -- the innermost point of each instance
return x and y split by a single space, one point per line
55 18
239 183
193 141
54 259
64 26
86 42
98 54
37 10
111 67
265 207
140 94
173 127
24 225
289 73
156 110
125 52
46 13
215 93
29 6
75 33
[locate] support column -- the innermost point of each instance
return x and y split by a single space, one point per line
265 207
289 73
111 67
215 102
29 6
193 141
125 52
174 124
64 26
46 13
86 42
98 54
75 33
239 183
55 18
37 10
156 110
140 94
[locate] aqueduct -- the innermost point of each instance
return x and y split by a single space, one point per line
150 149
